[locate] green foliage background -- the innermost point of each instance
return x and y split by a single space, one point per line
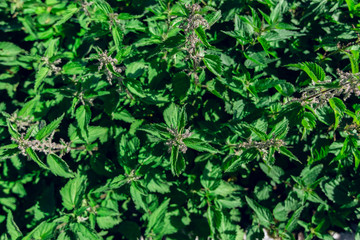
181 119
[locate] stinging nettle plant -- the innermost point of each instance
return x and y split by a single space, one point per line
181 119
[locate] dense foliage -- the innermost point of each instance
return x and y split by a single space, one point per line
163 119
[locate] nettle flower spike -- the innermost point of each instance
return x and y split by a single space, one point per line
193 21
52 66
178 138
104 61
319 94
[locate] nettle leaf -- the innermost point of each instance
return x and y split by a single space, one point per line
156 219
280 129
314 71
336 191
12 130
213 17
83 116
263 214
9 49
214 216
339 108
48 129
177 161
211 177
272 171
70 11
41 74
12 229
309 175
83 232
44 230
137 196
284 151
51 48
247 156
73 191
171 115
199 145
32 154
117 36
181 119
200 32
292 223
58 166
28 107
213 63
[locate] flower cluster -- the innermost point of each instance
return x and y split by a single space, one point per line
320 94
22 123
262 146
52 65
105 60
193 21
45 146
178 139
84 5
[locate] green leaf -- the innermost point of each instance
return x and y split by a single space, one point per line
48 129
73 191
213 17
337 105
339 108
58 166
171 116
213 63
157 218
9 49
177 161
137 197
12 229
82 232
280 129
71 10
44 230
284 151
83 116
199 145
40 76
72 68
104 7
292 223
51 48
35 157
13 132
272 171
214 217
356 155
211 177
336 190
117 36
135 69
263 214
247 156
182 119
314 71
285 89
309 175
28 107
275 13
200 32
354 61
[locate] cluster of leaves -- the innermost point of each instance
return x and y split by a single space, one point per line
164 119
